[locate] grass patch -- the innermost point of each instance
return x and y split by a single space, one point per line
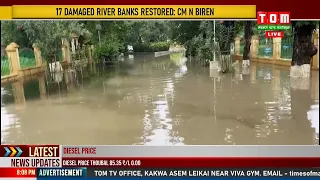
5 67
24 63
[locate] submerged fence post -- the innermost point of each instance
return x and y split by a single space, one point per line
18 94
13 56
276 48
237 46
254 46
42 87
315 59
37 55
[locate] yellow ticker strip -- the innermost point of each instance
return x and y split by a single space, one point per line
135 12
5 12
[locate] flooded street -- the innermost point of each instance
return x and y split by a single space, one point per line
155 101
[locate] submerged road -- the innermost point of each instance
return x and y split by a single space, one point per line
157 102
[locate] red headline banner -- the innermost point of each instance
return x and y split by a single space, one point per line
298 9
191 162
18 172
29 151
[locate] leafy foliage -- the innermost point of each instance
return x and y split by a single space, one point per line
107 49
114 35
200 40
184 31
152 47
46 34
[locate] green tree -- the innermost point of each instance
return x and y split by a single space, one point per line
248 32
46 34
12 32
302 42
184 31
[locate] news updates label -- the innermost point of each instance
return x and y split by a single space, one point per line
35 162
101 172
274 23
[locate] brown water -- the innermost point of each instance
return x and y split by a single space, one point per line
157 102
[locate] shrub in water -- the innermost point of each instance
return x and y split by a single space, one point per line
107 50
152 47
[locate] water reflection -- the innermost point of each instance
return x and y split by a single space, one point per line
160 102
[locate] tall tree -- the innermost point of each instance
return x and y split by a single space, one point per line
248 32
303 48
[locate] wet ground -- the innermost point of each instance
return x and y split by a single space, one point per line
154 101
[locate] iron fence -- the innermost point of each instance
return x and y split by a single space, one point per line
286 48
265 48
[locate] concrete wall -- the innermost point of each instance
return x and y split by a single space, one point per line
161 53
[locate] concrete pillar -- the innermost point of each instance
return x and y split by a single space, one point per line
37 55
74 42
65 50
237 46
13 56
69 79
315 59
42 87
276 48
254 49
18 94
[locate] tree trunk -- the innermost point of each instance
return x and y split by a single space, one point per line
302 44
248 32
302 50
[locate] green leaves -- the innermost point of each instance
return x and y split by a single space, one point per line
108 48
152 47
46 34
202 42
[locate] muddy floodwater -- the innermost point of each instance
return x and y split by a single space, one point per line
158 101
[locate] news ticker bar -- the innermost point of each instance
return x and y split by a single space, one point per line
163 162
153 173
158 151
129 12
